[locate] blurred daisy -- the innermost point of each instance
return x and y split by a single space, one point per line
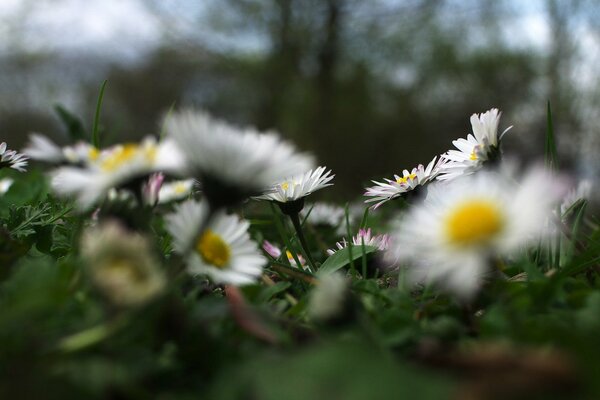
409 181
12 159
451 237
175 190
223 250
5 184
582 191
327 300
121 265
325 214
478 148
275 252
232 163
294 188
115 167
364 236
43 149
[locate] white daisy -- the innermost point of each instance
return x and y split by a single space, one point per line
43 149
224 251
121 265
275 252
325 214
114 167
451 236
364 236
230 162
12 159
409 181
297 187
5 184
582 191
327 299
481 146
175 190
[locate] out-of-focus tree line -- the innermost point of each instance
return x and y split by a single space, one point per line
371 87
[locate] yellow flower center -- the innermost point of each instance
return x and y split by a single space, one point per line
473 222
405 179
124 154
213 249
180 188
473 156
93 153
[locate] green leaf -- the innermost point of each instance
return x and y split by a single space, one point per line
550 148
341 258
95 128
73 124
272 291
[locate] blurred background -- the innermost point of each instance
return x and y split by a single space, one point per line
371 87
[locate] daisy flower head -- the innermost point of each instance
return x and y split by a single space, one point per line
295 189
121 265
364 236
223 251
402 185
582 191
12 159
482 146
324 214
452 235
5 184
117 166
232 163
43 149
175 190
275 252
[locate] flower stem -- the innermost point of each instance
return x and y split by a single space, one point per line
296 222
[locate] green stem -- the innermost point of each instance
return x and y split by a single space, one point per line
305 249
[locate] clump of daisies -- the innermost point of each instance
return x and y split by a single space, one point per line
408 183
232 163
452 237
223 250
12 159
480 147
121 265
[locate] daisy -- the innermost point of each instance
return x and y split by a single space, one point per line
121 265
117 166
409 181
12 159
582 191
43 149
5 184
275 252
292 189
175 190
364 236
451 237
478 148
325 214
223 251
232 163
327 300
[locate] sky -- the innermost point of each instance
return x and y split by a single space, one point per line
96 25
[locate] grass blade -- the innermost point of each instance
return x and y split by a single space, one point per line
95 131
